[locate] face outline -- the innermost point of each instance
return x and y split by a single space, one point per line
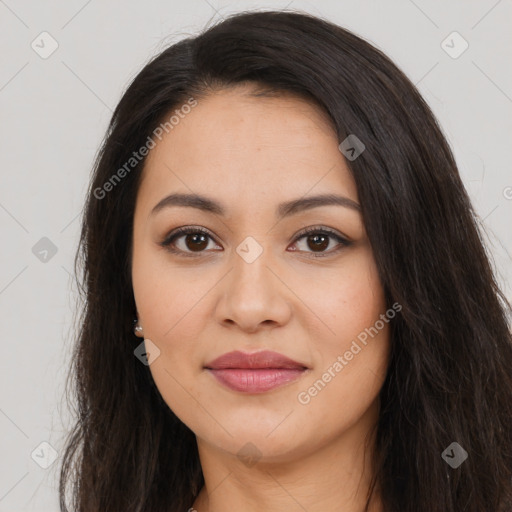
251 154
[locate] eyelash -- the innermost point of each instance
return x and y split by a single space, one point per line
179 232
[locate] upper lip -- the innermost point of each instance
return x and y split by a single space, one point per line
263 359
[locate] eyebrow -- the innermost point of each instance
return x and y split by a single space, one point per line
285 209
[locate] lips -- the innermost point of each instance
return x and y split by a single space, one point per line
255 373
264 359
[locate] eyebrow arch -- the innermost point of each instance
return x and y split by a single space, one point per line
285 209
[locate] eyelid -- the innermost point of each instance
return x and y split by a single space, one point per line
322 229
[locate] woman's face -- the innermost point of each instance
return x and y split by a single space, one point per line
256 282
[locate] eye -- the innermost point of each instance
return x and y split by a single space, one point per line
195 240
318 239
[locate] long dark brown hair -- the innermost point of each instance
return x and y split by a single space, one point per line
449 377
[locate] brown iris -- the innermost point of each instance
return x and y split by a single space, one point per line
199 241
320 241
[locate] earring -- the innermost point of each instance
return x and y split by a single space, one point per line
137 327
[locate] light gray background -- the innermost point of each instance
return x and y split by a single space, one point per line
55 111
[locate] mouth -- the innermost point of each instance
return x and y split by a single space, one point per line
255 373
256 380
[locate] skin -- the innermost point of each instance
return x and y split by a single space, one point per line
251 154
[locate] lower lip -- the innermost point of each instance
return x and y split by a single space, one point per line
256 380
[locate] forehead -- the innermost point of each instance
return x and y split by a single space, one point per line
236 146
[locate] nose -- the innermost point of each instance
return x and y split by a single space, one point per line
253 296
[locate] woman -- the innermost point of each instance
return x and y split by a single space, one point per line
287 302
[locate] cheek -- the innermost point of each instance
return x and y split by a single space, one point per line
167 295
352 362
171 303
347 302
